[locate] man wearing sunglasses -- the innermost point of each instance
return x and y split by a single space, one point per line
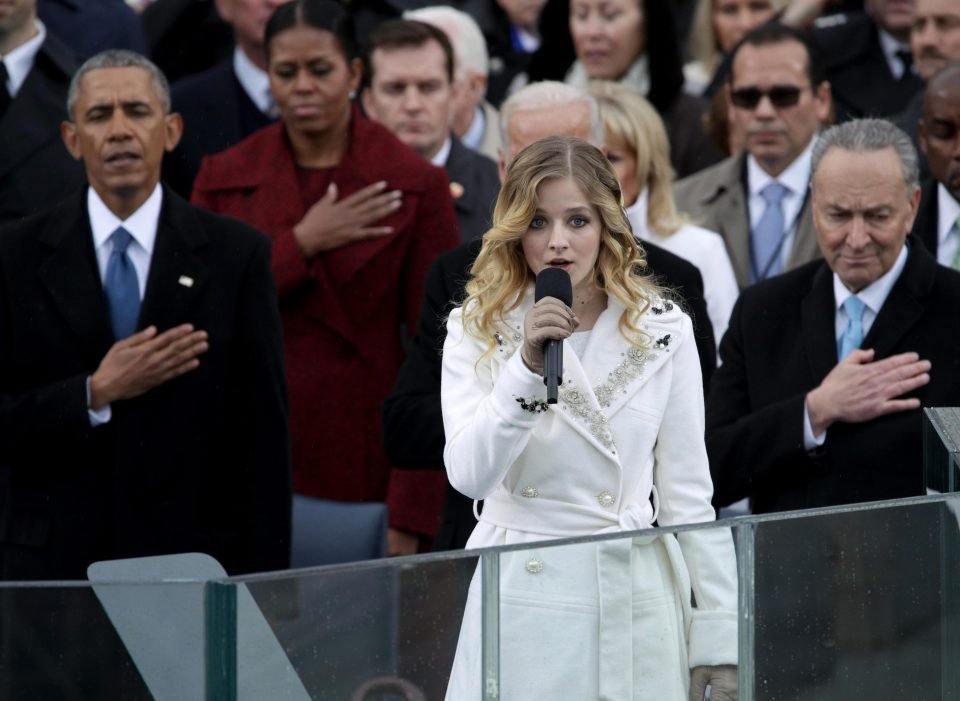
757 200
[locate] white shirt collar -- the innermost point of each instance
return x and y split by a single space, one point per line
142 224
474 134
796 177
948 210
254 81
441 156
874 294
20 60
890 48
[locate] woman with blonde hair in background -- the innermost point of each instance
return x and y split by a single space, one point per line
621 449
638 150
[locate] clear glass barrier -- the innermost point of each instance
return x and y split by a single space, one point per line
841 603
60 640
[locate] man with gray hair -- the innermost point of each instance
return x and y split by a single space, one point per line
475 121
143 403
817 403
825 368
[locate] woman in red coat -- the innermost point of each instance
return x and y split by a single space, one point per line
356 219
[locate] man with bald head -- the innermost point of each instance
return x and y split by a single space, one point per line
412 421
939 131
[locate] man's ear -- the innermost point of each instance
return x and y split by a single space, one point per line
173 130
68 132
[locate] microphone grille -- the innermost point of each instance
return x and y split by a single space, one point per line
554 282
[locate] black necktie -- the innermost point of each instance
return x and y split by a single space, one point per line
905 58
5 98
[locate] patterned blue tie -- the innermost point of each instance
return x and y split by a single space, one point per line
768 235
121 287
852 336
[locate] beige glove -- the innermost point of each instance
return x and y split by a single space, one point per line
722 679
547 319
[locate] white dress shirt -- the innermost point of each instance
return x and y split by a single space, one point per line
873 296
19 62
440 157
796 179
948 235
254 81
142 226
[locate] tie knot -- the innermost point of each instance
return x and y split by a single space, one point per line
773 193
854 307
121 239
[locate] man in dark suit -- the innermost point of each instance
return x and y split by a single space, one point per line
223 105
939 131
787 424
142 397
817 403
868 59
35 70
411 91
934 41
412 418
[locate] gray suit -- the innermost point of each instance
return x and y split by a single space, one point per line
716 199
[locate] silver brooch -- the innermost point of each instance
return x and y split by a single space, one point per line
530 492
662 342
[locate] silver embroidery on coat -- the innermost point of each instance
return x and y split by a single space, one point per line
628 370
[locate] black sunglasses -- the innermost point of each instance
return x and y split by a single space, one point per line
780 96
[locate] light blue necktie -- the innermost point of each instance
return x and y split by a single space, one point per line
852 336
122 287
767 235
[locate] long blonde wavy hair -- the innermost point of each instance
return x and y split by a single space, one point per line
500 273
630 119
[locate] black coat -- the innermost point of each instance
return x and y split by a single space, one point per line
200 463
412 417
926 225
859 75
780 344
217 113
36 171
474 186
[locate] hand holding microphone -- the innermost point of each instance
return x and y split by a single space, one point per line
547 323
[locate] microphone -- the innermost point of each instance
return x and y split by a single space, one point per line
553 282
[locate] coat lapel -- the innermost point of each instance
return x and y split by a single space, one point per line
70 276
805 246
903 307
730 204
177 275
817 319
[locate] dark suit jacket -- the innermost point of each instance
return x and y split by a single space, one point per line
479 182
185 36
36 170
926 225
859 75
200 463
91 27
412 417
780 344
217 113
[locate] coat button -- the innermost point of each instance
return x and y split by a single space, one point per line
534 565
606 498
530 492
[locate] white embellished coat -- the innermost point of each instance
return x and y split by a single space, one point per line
612 620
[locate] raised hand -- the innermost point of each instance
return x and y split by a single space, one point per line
138 363
860 389
547 319
331 223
